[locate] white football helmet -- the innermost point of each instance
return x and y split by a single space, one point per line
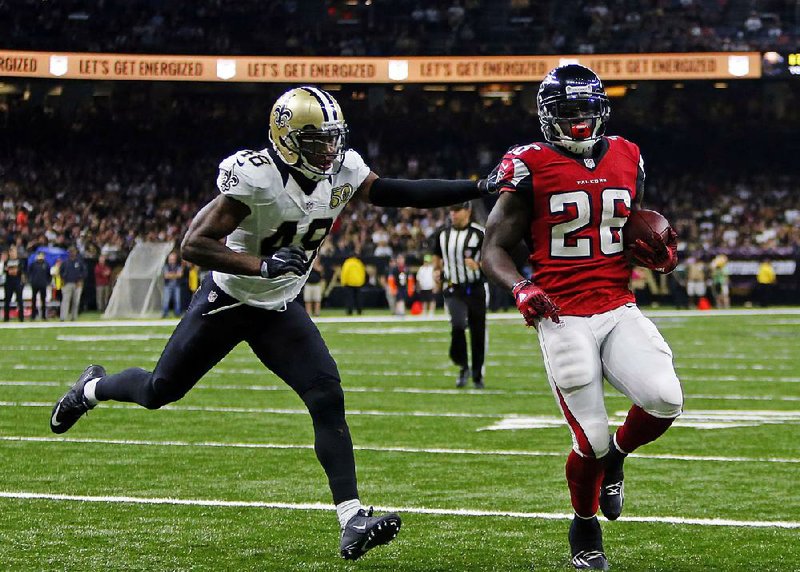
308 132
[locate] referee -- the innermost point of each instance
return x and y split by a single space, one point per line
457 254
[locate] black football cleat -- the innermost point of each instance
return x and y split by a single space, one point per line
612 495
463 376
73 404
586 544
612 490
477 382
363 532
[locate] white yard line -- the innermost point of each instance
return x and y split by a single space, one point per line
144 350
439 373
383 319
703 419
411 450
282 388
408 509
277 411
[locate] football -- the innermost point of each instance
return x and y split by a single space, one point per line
642 224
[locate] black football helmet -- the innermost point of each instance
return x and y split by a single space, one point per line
573 108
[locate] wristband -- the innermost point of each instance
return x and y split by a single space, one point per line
523 282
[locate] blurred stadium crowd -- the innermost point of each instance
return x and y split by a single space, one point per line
397 27
101 166
111 171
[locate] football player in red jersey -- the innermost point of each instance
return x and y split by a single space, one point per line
568 198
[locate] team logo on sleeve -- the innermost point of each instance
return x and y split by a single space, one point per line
340 195
227 179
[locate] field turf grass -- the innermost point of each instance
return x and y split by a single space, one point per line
226 479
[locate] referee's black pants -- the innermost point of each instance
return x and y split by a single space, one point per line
467 307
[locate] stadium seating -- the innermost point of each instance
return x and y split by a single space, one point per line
397 27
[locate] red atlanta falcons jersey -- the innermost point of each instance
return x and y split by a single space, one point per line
578 208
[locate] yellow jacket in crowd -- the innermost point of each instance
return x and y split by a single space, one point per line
766 274
353 272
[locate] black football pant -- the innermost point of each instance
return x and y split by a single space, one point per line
467 307
288 343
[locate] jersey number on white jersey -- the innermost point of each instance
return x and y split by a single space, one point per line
318 229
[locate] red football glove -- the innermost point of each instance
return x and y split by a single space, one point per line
533 303
657 254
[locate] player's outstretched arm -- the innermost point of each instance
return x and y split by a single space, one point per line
211 224
421 193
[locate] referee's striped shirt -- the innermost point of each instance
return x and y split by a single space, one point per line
453 246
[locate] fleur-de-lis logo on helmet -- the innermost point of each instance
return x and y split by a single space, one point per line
282 115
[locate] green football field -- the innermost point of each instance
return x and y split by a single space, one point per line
226 479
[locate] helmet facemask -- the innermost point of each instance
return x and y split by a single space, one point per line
575 122
320 152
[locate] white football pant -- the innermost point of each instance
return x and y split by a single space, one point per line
621 345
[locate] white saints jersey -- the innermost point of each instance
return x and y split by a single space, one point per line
281 214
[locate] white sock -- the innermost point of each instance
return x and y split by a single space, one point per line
347 510
88 390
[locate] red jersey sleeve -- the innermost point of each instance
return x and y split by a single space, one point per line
514 175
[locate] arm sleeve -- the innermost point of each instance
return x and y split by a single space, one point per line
422 193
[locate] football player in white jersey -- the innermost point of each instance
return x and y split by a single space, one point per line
275 208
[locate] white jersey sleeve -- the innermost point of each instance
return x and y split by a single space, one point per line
245 176
354 162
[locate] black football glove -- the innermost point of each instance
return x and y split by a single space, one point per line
289 259
489 186
656 253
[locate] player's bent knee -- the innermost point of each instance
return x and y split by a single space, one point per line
668 403
325 399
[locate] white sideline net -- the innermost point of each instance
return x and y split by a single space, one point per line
137 293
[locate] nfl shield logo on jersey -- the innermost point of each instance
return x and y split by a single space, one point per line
589 163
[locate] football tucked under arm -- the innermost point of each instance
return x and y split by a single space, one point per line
650 241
